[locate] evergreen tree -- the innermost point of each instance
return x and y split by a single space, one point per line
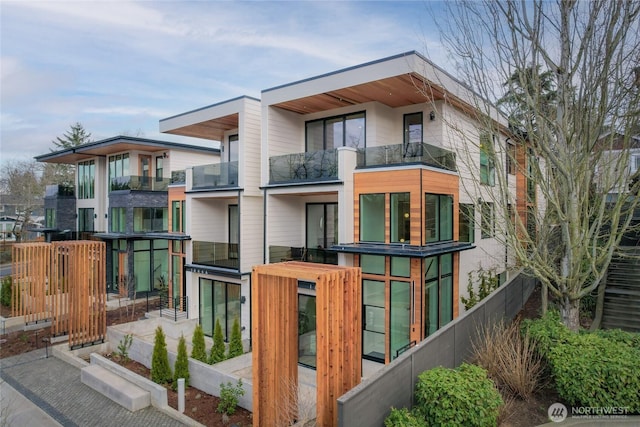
235 343
160 368
77 135
56 173
198 350
217 351
181 367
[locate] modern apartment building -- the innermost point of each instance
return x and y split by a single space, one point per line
121 196
357 167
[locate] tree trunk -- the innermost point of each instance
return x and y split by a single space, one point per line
570 313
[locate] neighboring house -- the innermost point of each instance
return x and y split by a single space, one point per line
121 197
356 168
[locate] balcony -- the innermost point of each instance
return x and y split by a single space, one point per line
217 175
140 183
291 253
59 190
216 254
413 153
304 167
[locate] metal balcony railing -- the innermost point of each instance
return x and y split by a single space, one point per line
216 175
304 167
412 153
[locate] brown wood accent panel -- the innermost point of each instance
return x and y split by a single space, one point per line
275 344
64 282
31 264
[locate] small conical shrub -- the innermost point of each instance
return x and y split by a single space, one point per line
181 368
235 343
160 369
218 350
198 351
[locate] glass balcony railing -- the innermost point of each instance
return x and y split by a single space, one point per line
302 167
178 177
399 154
60 190
292 253
216 254
215 175
133 182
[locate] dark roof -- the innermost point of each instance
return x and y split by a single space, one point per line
399 249
115 144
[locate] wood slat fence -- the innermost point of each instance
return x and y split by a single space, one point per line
65 283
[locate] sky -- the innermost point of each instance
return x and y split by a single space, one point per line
118 67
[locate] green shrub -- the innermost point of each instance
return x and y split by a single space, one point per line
124 345
217 351
198 350
235 343
546 331
6 291
403 418
462 396
181 367
590 370
229 395
160 369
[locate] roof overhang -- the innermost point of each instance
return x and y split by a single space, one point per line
140 236
118 144
210 122
401 250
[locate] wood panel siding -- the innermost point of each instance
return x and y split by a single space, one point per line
275 338
64 282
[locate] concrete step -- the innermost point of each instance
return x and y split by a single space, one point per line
115 388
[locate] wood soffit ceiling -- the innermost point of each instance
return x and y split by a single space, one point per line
210 129
398 91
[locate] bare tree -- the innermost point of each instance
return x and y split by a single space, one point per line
22 181
583 54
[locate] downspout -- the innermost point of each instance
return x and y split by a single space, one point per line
264 226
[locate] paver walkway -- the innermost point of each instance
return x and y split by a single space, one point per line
55 387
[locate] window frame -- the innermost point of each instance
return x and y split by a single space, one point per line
466 216
438 223
333 119
487 220
487 160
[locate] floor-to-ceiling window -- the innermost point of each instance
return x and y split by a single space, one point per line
412 135
219 301
334 132
234 231
119 172
438 213
86 218
86 179
321 232
373 319
400 218
438 284
150 264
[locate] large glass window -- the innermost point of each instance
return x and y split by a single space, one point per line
234 231
372 264
150 219
511 159
372 224
307 346
467 224
487 162
86 179
118 220
219 301
400 317
119 171
412 135
334 132
233 149
487 221
373 333
321 232
438 284
438 222
86 219
50 218
177 215
400 218
159 168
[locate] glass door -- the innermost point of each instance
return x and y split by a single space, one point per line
400 317
145 171
373 333
307 330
